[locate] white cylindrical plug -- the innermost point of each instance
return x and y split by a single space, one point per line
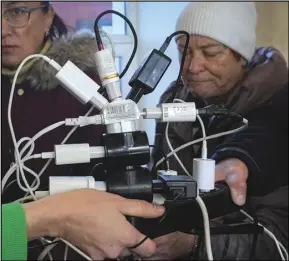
178 112
77 153
69 183
152 113
204 174
80 85
108 74
106 66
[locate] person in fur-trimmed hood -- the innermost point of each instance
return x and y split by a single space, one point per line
39 101
224 67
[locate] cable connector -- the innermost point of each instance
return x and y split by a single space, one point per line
83 121
47 155
165 44
218 110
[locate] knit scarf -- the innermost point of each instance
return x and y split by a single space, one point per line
25 69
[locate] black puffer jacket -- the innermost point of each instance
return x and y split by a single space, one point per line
261 98
272 213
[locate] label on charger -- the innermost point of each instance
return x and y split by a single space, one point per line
179 112
120 110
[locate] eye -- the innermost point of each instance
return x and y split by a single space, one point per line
213 51
211 54
17 11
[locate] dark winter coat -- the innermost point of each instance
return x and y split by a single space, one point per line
262 98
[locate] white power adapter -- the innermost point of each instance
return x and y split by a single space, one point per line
204 174
77 83
58 184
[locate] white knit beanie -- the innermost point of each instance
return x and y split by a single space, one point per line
230 23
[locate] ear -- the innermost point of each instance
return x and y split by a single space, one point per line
49 19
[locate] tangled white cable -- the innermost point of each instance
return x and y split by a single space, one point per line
20 157
30 144
281 249
17 153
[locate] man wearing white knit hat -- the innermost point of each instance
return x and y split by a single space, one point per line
223 66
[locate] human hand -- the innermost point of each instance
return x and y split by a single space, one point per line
235 173
172 246
92 220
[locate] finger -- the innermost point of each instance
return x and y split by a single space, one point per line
136 242
238 188
165 239
147 248
140 208
162 240
125 252
219 175
95 253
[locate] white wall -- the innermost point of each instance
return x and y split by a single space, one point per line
156 21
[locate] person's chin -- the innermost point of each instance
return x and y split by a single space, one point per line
10 61
201 89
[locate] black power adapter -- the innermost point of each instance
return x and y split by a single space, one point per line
181 185
147 76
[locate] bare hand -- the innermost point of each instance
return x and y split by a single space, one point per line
178 244
235 173
172 246
92 220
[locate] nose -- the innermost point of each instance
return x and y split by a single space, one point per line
196 64
6 29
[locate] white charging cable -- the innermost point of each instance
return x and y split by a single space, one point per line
30 144
281 249
64 141
17 154
279 245
200 202
204 147
175 155
202 139
65 253
47 250
18 160
198 198
44 253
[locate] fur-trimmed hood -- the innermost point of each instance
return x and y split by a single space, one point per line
79 48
